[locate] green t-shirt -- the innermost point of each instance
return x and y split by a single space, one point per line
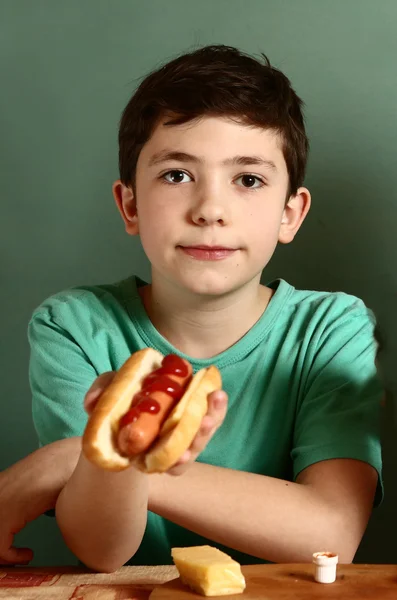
302 383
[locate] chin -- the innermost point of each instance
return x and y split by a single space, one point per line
210 286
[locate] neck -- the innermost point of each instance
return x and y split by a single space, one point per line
204 326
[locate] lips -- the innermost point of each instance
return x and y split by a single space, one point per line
208 252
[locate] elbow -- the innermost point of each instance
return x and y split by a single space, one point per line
343 538
101 565
101 560
99 549
346 553
99 555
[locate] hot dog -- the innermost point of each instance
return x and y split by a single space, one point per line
160 391
149 414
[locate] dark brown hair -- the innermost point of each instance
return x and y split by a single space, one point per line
219 81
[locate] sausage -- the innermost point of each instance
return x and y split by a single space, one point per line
151 406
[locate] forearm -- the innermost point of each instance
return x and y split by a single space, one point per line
43 473
266 517
102 515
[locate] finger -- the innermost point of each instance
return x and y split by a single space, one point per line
217 406
97 388
16 556
205 433
182 465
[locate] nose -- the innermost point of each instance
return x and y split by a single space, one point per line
209 210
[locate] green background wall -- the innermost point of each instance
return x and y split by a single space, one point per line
68 68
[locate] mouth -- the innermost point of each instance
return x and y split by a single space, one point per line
208 252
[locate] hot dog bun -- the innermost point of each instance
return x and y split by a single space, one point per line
177 433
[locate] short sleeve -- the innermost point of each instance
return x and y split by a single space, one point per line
339 412
60 375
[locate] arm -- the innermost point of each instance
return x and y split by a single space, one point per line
117 501
335 457
102 515
327 509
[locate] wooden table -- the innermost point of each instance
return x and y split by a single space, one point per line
264 582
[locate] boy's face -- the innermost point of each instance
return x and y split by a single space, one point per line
210 204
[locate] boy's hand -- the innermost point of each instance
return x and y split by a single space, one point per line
15 511
212 420
29 488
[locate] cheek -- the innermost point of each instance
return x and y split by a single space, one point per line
263 223
156 223
161 208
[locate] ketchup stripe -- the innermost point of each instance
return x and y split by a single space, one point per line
157 381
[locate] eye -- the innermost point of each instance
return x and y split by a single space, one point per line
250 181
176 176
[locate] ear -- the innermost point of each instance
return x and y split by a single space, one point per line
294 214
126 203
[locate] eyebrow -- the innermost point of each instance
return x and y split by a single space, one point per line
171 155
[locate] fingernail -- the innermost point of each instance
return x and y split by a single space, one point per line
183 459
205 429
219 402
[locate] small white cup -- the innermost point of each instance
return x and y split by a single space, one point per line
325 566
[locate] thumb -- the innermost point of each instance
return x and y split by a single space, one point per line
15 556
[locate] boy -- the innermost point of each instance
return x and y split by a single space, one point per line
212 160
